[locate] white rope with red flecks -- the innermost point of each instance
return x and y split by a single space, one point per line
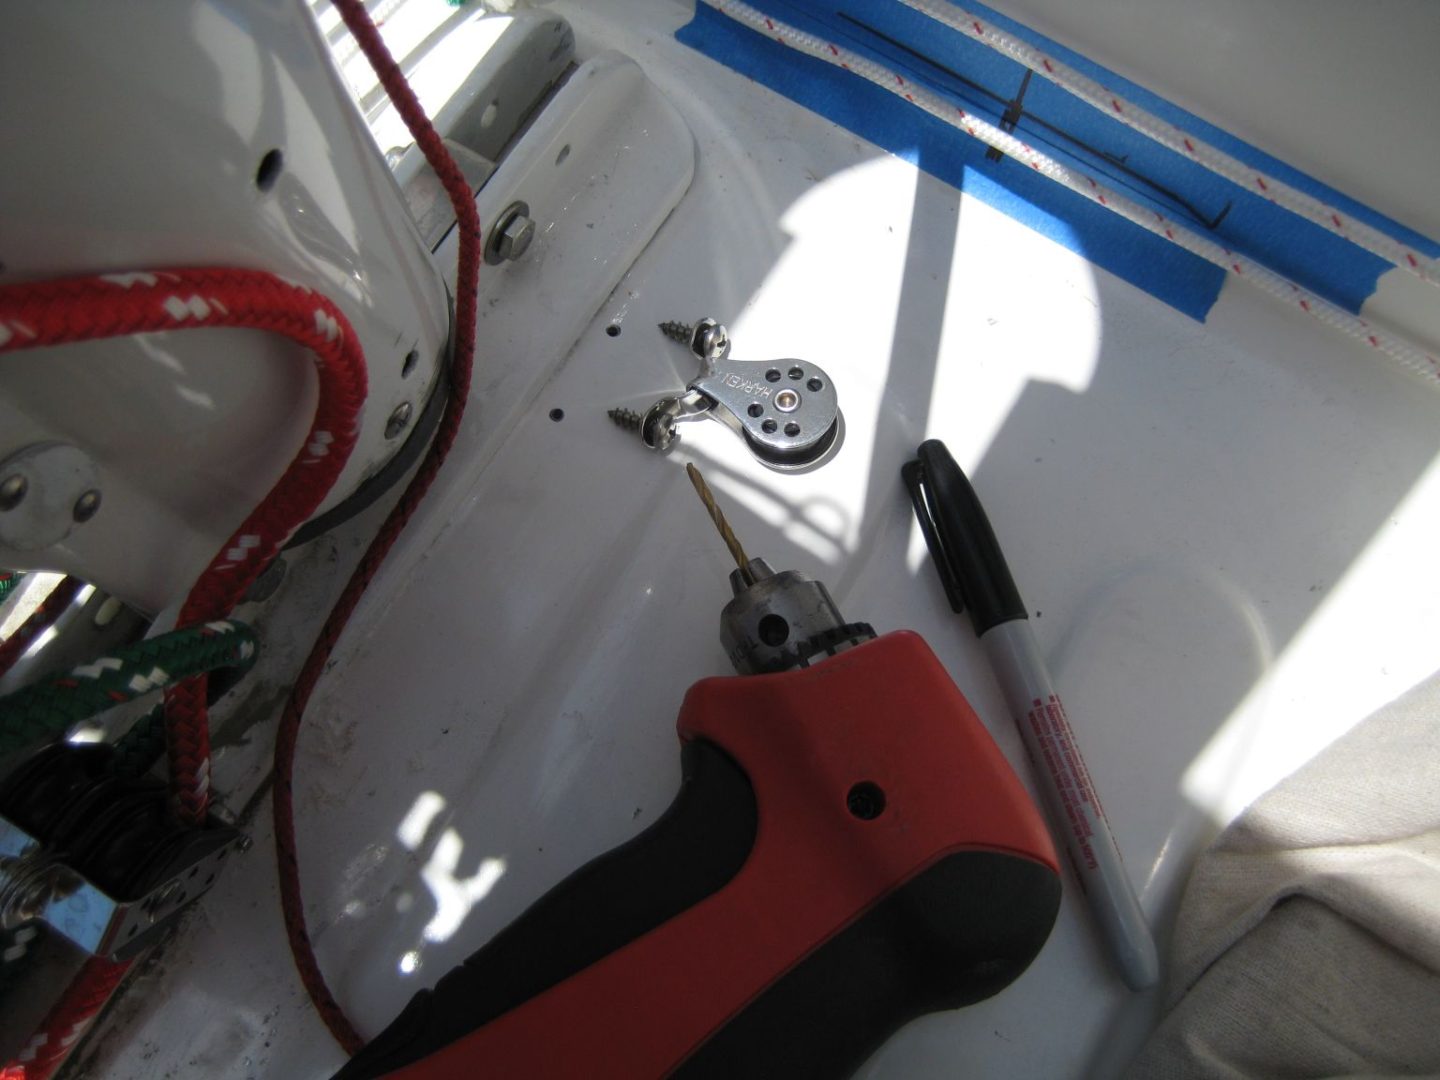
1182 142
1414 359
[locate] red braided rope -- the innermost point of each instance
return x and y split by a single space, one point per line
92 987
112 305
40 620
301 948
67 1020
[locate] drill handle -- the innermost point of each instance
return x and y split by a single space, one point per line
849 851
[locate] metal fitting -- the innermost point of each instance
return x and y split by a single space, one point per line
47 489
27 884
86 505
511 237
12 491
35 884
709 341
399 420
780 621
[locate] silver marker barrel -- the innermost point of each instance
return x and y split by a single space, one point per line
1075 811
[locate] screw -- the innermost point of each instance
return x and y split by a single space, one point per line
709 340
12 491
86 505
626 418
511 237
399 420
787 401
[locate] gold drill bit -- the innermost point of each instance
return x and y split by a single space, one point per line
726 533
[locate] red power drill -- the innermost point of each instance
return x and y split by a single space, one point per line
849 850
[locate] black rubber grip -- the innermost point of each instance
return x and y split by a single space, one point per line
691 852
958 933
955 934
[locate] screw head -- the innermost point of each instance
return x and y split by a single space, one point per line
87 505
709 340
787 401
399 420
12 491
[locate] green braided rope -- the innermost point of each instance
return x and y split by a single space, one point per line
8 580
141 746
53 703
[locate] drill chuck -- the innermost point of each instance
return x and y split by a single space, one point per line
780 621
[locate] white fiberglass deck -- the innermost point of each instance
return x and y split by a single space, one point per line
1224 532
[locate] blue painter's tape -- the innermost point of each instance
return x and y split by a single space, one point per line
1311 256
1217 137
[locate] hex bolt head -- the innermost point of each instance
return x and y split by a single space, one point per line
399 420
515 240
12 491
514 230
87 505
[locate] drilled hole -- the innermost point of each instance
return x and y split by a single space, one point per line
563 154
792 429
557 415
769 427
773 375
271 165
613 330
815 386
757 410
797 373
408 364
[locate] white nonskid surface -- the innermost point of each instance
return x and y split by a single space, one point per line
1219 529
